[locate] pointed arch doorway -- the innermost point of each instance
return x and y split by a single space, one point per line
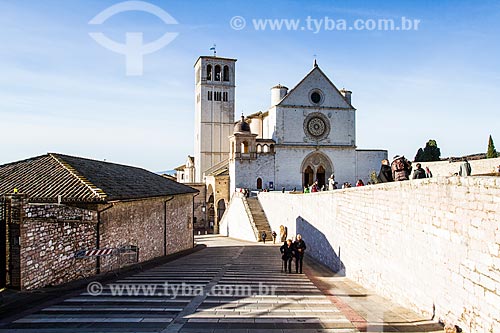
316 167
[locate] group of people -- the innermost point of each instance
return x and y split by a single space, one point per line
293 250
401 169
289 250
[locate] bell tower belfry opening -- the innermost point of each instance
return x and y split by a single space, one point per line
214 111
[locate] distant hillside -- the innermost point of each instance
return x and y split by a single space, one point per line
470 157
168 172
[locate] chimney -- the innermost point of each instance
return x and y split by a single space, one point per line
347 95
277 94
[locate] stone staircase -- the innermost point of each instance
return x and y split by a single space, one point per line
257 218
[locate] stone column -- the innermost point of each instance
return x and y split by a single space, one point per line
14 214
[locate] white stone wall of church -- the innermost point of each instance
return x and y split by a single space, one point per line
368 161
235 222
289 163
290 126
244 173
300 94
420 243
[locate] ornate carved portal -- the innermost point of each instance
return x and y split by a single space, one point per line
316 167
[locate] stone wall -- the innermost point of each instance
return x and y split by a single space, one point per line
50 235
236 222
143 223
445 168
424 243
200 222
43 238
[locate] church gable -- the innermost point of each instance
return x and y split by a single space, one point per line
315 90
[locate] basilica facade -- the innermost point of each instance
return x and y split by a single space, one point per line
307 134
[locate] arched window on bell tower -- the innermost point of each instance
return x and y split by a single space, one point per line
226 73
244 147
209 72
217 73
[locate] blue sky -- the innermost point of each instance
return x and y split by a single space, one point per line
60 91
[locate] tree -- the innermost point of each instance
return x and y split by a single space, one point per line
430 153
492 152
420 155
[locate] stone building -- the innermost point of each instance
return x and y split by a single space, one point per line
306 135
55 205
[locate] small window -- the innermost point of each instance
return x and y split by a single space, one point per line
226 73
217 73
209 72
209 95
244 147
224 96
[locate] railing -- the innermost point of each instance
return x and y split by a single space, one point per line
245 156
119 257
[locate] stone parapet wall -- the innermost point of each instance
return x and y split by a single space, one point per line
148 224
42 239
50 235
426 244
445 168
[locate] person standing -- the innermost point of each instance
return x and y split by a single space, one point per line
332 184
274 236
360 183
419 172
385 174
264 236
288 252
401 168
428 173
465 168
300 248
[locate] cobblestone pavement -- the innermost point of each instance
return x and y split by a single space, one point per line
231 286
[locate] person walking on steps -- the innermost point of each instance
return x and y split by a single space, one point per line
287 253
264 236
300 248
274 234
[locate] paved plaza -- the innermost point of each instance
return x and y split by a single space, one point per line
231 286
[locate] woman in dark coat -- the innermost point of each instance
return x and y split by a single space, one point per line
385 174
288 252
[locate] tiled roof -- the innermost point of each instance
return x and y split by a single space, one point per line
219 169
77 179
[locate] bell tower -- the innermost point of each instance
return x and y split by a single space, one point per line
214 111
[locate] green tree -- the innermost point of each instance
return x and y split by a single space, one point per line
430 153
492 152
420 155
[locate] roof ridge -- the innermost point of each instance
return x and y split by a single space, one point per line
217 166
87 183
305 77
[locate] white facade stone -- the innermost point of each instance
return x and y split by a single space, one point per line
290 125
214 111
